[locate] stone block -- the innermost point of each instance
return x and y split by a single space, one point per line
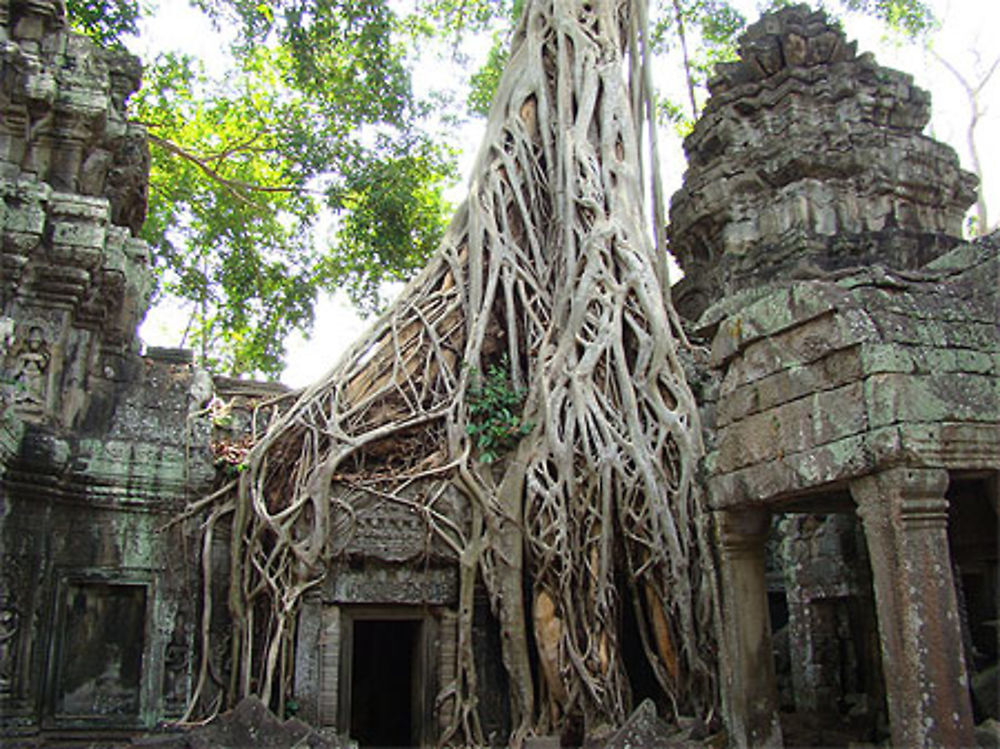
796 426
988 734
985 687
950 397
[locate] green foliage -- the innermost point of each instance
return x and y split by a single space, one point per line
316 117
495 423
104 21
911 17
319 115
230 214
453 18
493 18
711 29
484 81
394 216
235 193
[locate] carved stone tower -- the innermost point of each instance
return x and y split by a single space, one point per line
99 446
855 348
807 159
73 174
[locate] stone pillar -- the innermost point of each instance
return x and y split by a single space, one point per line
308 659
749 685
329 679
905 514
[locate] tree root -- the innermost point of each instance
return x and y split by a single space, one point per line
547 267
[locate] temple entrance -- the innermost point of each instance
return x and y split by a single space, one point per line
385 689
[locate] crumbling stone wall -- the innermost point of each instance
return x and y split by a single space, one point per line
853 368
99 447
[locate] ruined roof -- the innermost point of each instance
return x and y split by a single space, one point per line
828 380
809 158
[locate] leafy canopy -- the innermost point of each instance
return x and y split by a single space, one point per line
306 169
312 167
693 34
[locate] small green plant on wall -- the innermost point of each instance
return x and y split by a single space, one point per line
495 423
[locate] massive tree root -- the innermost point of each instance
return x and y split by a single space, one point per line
547 274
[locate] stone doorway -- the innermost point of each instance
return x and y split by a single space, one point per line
386 690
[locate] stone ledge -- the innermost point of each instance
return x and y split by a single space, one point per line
824 468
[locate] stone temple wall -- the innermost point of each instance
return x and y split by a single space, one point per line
73 175
807 161
850 390
99 446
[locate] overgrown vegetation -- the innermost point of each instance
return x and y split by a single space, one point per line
318 118
495 423
589 492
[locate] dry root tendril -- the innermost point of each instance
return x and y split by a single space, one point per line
547 277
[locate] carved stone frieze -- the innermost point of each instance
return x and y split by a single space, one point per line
73 181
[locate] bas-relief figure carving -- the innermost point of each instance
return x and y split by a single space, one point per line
31 362
10 622
849 404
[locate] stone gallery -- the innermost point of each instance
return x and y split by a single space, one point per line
842 364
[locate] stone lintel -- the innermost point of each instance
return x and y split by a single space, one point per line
948 445
392 584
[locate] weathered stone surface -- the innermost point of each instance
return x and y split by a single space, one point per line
839 352
379 583
807 159
873 368
249 724
643 728
99 447
827 580
854 339
73 176
988 734
986 693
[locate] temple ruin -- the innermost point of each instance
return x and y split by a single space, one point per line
845 361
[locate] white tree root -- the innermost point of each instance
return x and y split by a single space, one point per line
549 269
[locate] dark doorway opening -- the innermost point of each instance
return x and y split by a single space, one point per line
975 551
641 677
99 664
384 682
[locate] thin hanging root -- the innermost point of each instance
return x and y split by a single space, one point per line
548 267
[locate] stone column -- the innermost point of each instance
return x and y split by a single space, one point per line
749 686
905 514
308 658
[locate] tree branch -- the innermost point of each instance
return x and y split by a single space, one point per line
237 188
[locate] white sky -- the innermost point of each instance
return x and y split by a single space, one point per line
966 39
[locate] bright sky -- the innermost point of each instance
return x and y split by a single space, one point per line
965 40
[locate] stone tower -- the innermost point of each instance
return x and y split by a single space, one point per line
73 176
854 347
809 158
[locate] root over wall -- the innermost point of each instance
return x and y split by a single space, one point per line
548 274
